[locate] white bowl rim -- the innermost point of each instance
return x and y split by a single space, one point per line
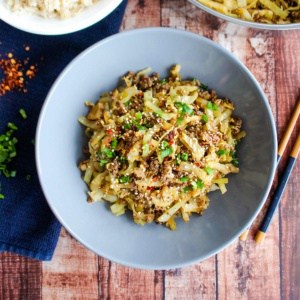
244 22
38 25
274 154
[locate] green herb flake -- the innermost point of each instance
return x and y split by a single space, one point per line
184 179
187 188
166 152
2 196
127 103
12 126
208 170
124 179
28 177
103 162
178 160
138 116
221 152
205 118
164 144
212 106
114 144
200 184
23 113
123 159
127 126
234 160
184 156
108 153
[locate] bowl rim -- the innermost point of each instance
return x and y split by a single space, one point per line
40 127
244 22
70 25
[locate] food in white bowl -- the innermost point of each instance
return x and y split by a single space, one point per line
47 21
50 8
158 146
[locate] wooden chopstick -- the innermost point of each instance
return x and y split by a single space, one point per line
281 148
279 191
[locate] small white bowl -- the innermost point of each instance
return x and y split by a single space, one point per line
49 26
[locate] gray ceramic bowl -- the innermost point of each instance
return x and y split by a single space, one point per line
246 23
59 143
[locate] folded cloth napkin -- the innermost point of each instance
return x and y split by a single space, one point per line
27 226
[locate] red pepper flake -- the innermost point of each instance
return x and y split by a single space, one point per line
109 131
171 142
14 74
197 164
150 188
155 179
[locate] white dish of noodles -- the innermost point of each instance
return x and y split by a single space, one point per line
55 17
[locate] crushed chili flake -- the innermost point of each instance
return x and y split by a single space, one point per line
15 73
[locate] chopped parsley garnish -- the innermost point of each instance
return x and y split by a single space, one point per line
124 179
212 106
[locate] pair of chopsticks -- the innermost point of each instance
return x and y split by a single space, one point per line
259 237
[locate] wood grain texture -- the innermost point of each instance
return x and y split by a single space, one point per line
119 282
194 282
20 277
72 273
288 92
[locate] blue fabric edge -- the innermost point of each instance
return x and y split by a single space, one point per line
24 252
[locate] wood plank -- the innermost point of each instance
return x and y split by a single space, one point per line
287 55
20 277
119 282
245 269
72 273
141 13
194 282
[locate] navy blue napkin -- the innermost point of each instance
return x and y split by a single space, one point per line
27 226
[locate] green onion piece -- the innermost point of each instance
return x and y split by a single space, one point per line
184 156
138 115
179 120
128 103
212 106
221 152
163 81
187 188
109 153
103 162
114 144
184 108
23 113
184 179
2 196
199 184
205 118
178 160
127 126
164 144
166 152
124 179
12 126
123 160
234 160
208 170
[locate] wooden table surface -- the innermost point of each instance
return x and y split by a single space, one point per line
244 270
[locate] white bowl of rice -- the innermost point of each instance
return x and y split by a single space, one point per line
55 17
